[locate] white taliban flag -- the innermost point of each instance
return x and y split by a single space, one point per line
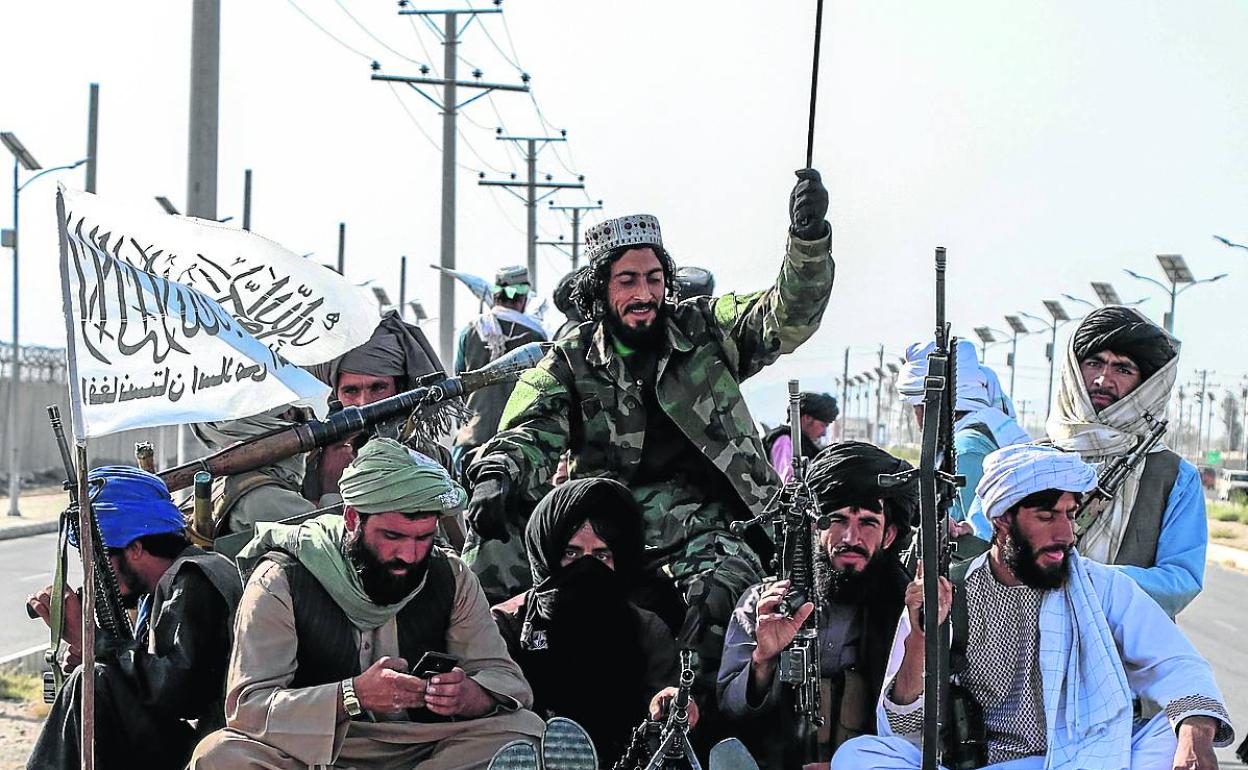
173 320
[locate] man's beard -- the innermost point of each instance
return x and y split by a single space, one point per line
845 586
129 600
1101 392
638 337
1020 556
381 585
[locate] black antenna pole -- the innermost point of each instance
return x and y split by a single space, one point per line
814 86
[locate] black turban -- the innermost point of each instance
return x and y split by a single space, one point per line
821 406
563 296
847 473
694 282
610 508
1127 332
396 349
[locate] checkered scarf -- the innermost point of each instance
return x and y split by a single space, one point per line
1075 426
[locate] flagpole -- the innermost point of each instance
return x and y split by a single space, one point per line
86 546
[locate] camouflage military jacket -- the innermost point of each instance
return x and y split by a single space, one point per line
581 396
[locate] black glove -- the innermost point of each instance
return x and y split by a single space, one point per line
487 511
808 205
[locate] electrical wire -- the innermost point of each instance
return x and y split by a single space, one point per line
376 39
415 122
420 40
331 35
464 137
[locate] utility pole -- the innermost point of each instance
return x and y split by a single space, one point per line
201 165
93 123
576 244
530 146
247 199
402 286
1201 396
342 247
879 392
450 105
845 395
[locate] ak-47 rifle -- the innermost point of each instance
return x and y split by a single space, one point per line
1115 473
665 745
795 506
110 615
288 442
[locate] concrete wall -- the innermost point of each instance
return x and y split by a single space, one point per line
33 433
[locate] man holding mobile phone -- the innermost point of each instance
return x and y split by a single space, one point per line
360 643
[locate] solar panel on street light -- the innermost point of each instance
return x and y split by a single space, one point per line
19 151
381 295
1176 268
893 369
1106 293
1016 324
985 335
167 205
1056 310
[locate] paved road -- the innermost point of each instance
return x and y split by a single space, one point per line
1217 622
26 565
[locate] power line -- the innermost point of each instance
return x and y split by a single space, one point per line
334 37
376 39
420 40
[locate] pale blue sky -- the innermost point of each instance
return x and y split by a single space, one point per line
1046 144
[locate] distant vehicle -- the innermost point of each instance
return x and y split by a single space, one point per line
1232 484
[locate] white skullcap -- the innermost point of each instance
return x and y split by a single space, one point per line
1014 472
972 393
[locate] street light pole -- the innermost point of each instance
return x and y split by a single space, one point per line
21 159
1177 272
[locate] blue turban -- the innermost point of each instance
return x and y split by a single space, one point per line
130 503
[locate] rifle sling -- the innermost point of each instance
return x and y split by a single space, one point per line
56 617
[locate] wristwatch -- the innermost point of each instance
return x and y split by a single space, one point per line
349 701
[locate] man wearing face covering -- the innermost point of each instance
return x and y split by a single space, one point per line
1116 377
584 547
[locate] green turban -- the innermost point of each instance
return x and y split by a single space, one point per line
387 476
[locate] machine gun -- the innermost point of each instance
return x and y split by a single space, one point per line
288 442
110 615
795 507
1115 473
665 745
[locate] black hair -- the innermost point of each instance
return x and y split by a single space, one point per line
590 293
165 545
1045 499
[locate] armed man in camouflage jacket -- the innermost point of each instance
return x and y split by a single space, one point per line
648 392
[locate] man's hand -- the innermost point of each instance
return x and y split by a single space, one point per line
774 630
808 206
1195 751
487 511
663 698
41 604
959 528
914 602
453 694
386 686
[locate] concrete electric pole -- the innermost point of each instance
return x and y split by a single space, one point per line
530 146
450 105
575 244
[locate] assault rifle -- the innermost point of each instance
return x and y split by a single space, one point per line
798 511
1115 473
110 615
288 442
938 485
665 746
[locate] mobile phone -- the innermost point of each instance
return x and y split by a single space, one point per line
434 663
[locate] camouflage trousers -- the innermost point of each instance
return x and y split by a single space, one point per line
688 547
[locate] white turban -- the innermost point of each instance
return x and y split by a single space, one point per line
1015 472
972 394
